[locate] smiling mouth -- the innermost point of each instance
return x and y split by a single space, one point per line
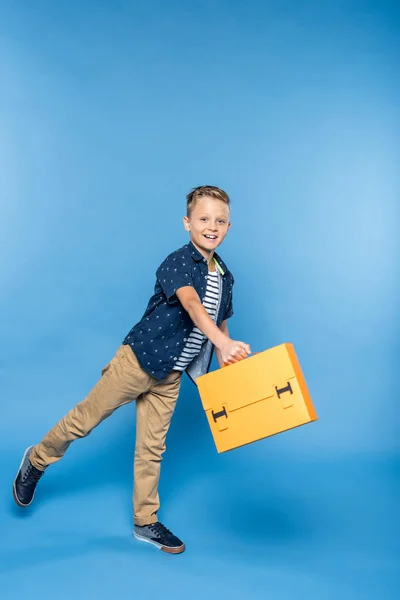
210 237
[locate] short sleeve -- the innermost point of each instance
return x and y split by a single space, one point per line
173 274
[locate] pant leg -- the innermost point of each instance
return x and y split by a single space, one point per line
154 410
122 381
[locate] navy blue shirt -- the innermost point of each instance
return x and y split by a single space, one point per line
160 336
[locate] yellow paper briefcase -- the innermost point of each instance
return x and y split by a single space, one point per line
255 398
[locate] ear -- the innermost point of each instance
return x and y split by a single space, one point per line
186 223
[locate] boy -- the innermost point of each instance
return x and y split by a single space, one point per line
185 319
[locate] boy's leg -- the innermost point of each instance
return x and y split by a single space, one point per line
154 410
122 381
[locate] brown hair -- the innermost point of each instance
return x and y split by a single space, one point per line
205 190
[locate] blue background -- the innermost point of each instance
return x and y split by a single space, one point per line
110 112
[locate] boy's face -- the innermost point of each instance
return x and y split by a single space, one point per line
208 224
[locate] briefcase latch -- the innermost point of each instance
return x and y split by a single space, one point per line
220 417
285 394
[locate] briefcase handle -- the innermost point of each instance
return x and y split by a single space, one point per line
252 354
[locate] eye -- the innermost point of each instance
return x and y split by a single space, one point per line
203 219
222 221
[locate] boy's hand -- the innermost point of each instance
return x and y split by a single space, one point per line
232 351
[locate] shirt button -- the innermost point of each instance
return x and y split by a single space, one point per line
185 339
175 358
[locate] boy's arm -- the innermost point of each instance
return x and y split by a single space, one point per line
224 328
230 351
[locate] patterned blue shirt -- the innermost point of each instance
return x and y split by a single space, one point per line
159 337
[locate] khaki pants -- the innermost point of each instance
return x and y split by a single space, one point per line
122 381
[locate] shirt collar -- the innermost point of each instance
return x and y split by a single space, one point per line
197 257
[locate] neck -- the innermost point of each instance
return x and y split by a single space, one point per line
211 266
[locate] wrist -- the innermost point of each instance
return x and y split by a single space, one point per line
221 339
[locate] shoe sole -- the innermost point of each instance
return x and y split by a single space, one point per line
177 550
15 481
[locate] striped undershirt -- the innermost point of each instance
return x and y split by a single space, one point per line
196 338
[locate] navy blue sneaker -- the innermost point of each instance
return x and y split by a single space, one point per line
160 537
26 480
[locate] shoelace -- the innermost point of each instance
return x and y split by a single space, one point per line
159 529
31 475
